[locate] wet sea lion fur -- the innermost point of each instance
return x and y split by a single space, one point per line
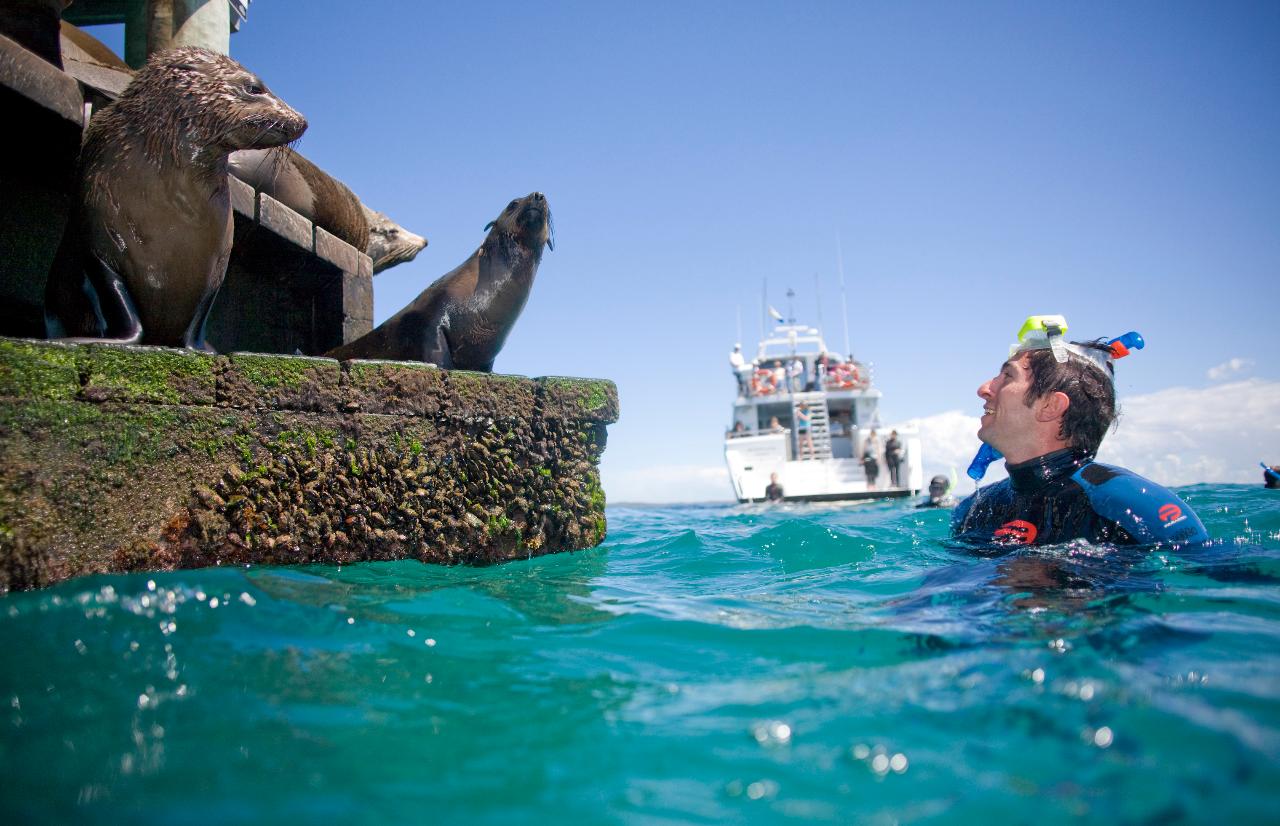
147 247
462 320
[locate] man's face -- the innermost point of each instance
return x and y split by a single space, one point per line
1007 421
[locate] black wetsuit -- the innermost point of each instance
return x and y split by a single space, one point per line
773 492
1066 495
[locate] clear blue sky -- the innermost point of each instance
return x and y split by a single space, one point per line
1118 163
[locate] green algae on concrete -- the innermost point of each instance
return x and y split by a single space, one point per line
155 375
486 469
251 380
492 394
38 370
394 387
580 398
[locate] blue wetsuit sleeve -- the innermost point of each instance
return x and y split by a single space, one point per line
1148 512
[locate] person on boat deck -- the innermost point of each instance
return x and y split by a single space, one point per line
795 371
779 377
775 426
893 456
774 491
871 459
804 439
1046 412
738 364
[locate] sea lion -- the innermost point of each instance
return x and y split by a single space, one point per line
390 243
462 320
153 228
306 189
79 45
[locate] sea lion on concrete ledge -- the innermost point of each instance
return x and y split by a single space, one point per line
462 320
153 228
306 189
390 243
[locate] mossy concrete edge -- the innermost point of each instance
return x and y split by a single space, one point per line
137 458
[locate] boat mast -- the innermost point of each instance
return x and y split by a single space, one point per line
844 307
817 296
764 304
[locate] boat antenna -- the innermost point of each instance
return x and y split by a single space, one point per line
817 294
844 306
764 304
791 306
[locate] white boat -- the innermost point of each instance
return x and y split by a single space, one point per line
842 406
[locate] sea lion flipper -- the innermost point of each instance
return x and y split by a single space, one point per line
115 304
193 337
438 350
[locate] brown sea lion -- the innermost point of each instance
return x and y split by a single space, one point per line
390 243
306 189
462 320
153 228
79 45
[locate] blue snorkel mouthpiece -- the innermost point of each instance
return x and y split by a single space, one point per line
978 467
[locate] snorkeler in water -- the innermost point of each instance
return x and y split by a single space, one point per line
1046 414
939 494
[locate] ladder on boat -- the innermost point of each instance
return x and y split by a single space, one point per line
819 426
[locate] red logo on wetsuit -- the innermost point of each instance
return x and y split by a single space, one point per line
1170 514
1016 532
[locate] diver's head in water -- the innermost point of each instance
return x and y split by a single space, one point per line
1051 394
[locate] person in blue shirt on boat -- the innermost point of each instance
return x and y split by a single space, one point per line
1046 414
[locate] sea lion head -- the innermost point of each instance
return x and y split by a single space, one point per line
194 102
528 221
390 243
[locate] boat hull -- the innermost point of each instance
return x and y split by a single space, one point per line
753 460
896 493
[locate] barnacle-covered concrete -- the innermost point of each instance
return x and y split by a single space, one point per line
140 458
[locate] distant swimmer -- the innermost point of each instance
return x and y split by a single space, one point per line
1270 475
939 494
1046 413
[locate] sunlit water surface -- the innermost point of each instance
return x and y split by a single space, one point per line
706 664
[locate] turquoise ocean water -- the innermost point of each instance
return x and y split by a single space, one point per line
707 664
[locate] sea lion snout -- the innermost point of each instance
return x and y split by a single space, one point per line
534 216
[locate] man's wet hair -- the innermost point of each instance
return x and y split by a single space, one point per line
1092 411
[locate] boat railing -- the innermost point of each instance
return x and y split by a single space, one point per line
758 381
